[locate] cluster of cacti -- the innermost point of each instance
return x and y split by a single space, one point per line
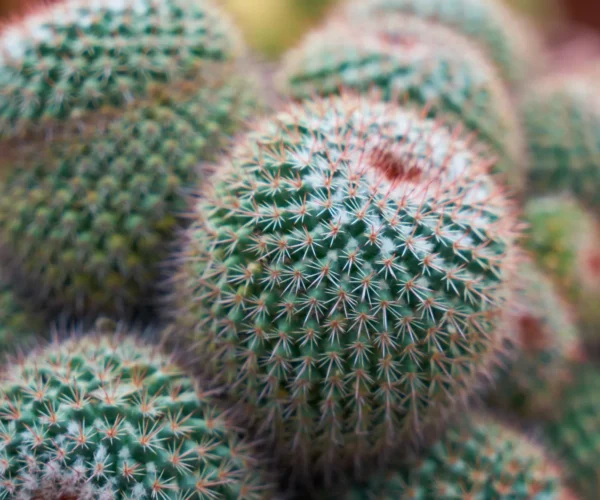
345 298
536 361
109 417
118 102
480 458
415 63
575 434
504 36
561 115
347 272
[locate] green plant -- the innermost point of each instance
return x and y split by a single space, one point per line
107 416
537 359
346 276
18 323
417 62
562 122
565 240
575 435
479 459
509 41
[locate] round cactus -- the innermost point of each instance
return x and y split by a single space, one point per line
565 240
78 57
347 275
134 95
562 122
575 435
508 40
106 417
412 61
537 359
479 459
85 222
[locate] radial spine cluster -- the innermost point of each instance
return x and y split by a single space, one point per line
346 276
105 417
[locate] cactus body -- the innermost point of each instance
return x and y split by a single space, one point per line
346 275
417 62
565 239
575 435
111 418
538 358
479 459
562 122
130 96
506 38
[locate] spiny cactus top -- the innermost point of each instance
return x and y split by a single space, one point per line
507 39
575 435
562 121
415 61
538 357
110 418
479 459
78 55
85 222
347 274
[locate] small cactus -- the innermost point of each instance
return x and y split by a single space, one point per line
562 123
109 417
480 458
537 359
412 61
575 435
346 276
509 41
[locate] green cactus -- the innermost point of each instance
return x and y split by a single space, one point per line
134 94
107 416
537 361
86 221
562 123
77 57
509 41
575 435
413 61
346 276
479 459
565 240
18 323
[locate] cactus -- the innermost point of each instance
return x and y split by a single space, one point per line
575 435
509 41
107 416
415 61
141 93
565 240
537 361
481 458
18 323
77 58
562 123
346 276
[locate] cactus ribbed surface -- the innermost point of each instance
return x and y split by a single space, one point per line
575 435
508 40
479 459
130 97
537 360
346 276
416 62
78 57
562 122
107 417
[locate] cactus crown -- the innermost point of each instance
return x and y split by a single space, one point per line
347 271
107 417
479 459
416 61
76 56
